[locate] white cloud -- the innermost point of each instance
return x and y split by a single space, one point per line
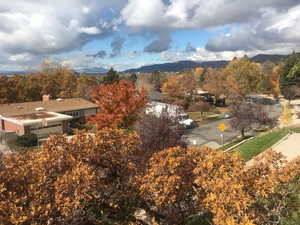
277 32
172 56
197 14
20 57
52 26
90 30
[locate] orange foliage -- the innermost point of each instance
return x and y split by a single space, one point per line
119 104
66 180
215 82
181 182
179 89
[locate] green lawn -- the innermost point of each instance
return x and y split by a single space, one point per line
230 144
260 143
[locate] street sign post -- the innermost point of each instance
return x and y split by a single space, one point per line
222 127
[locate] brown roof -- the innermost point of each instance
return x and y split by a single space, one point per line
25 108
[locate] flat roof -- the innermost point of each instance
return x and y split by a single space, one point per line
26 108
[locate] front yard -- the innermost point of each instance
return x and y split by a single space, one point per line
258 144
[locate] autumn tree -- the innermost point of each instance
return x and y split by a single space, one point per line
245 115
179 89
85 180
199 106
274 78
7 90
85 84
119 104
242 77
156 79
159 131
68 84
286 117
168 184
220 187
215 83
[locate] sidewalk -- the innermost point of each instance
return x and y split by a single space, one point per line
290 147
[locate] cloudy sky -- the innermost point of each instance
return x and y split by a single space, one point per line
131 33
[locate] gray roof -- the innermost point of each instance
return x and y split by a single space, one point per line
25 108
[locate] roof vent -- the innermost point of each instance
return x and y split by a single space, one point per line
59 100
40 109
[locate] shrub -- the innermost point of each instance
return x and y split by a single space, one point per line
27 140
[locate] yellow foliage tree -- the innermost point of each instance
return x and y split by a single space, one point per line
179 89
69 182
286 117
242 77
219 186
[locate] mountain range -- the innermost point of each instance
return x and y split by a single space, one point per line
170 67
186 64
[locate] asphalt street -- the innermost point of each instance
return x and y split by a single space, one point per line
207 133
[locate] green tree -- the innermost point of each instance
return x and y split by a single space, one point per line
111 77
290 74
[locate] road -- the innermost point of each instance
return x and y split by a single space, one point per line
209 133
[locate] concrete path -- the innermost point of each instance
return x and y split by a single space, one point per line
290 147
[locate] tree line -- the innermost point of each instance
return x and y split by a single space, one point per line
132 168
54 79
237 80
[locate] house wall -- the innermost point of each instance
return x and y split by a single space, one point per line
51 128
89 112
81 113
9 126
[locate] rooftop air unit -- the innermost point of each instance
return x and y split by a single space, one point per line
39 109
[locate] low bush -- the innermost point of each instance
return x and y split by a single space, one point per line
27 140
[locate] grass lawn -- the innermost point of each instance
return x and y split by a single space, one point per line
260 143
232 143
198 116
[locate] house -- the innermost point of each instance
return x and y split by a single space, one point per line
174 111
49 116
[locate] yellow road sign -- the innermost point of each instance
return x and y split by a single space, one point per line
222 127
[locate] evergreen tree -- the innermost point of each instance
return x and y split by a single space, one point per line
290 74
111 77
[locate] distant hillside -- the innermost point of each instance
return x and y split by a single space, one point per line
265 57
93 70
184 65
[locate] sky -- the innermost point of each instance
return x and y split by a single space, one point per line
127 34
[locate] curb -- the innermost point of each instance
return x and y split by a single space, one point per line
236 145
280 141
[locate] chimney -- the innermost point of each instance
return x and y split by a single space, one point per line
46 98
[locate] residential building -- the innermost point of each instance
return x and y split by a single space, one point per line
44 117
